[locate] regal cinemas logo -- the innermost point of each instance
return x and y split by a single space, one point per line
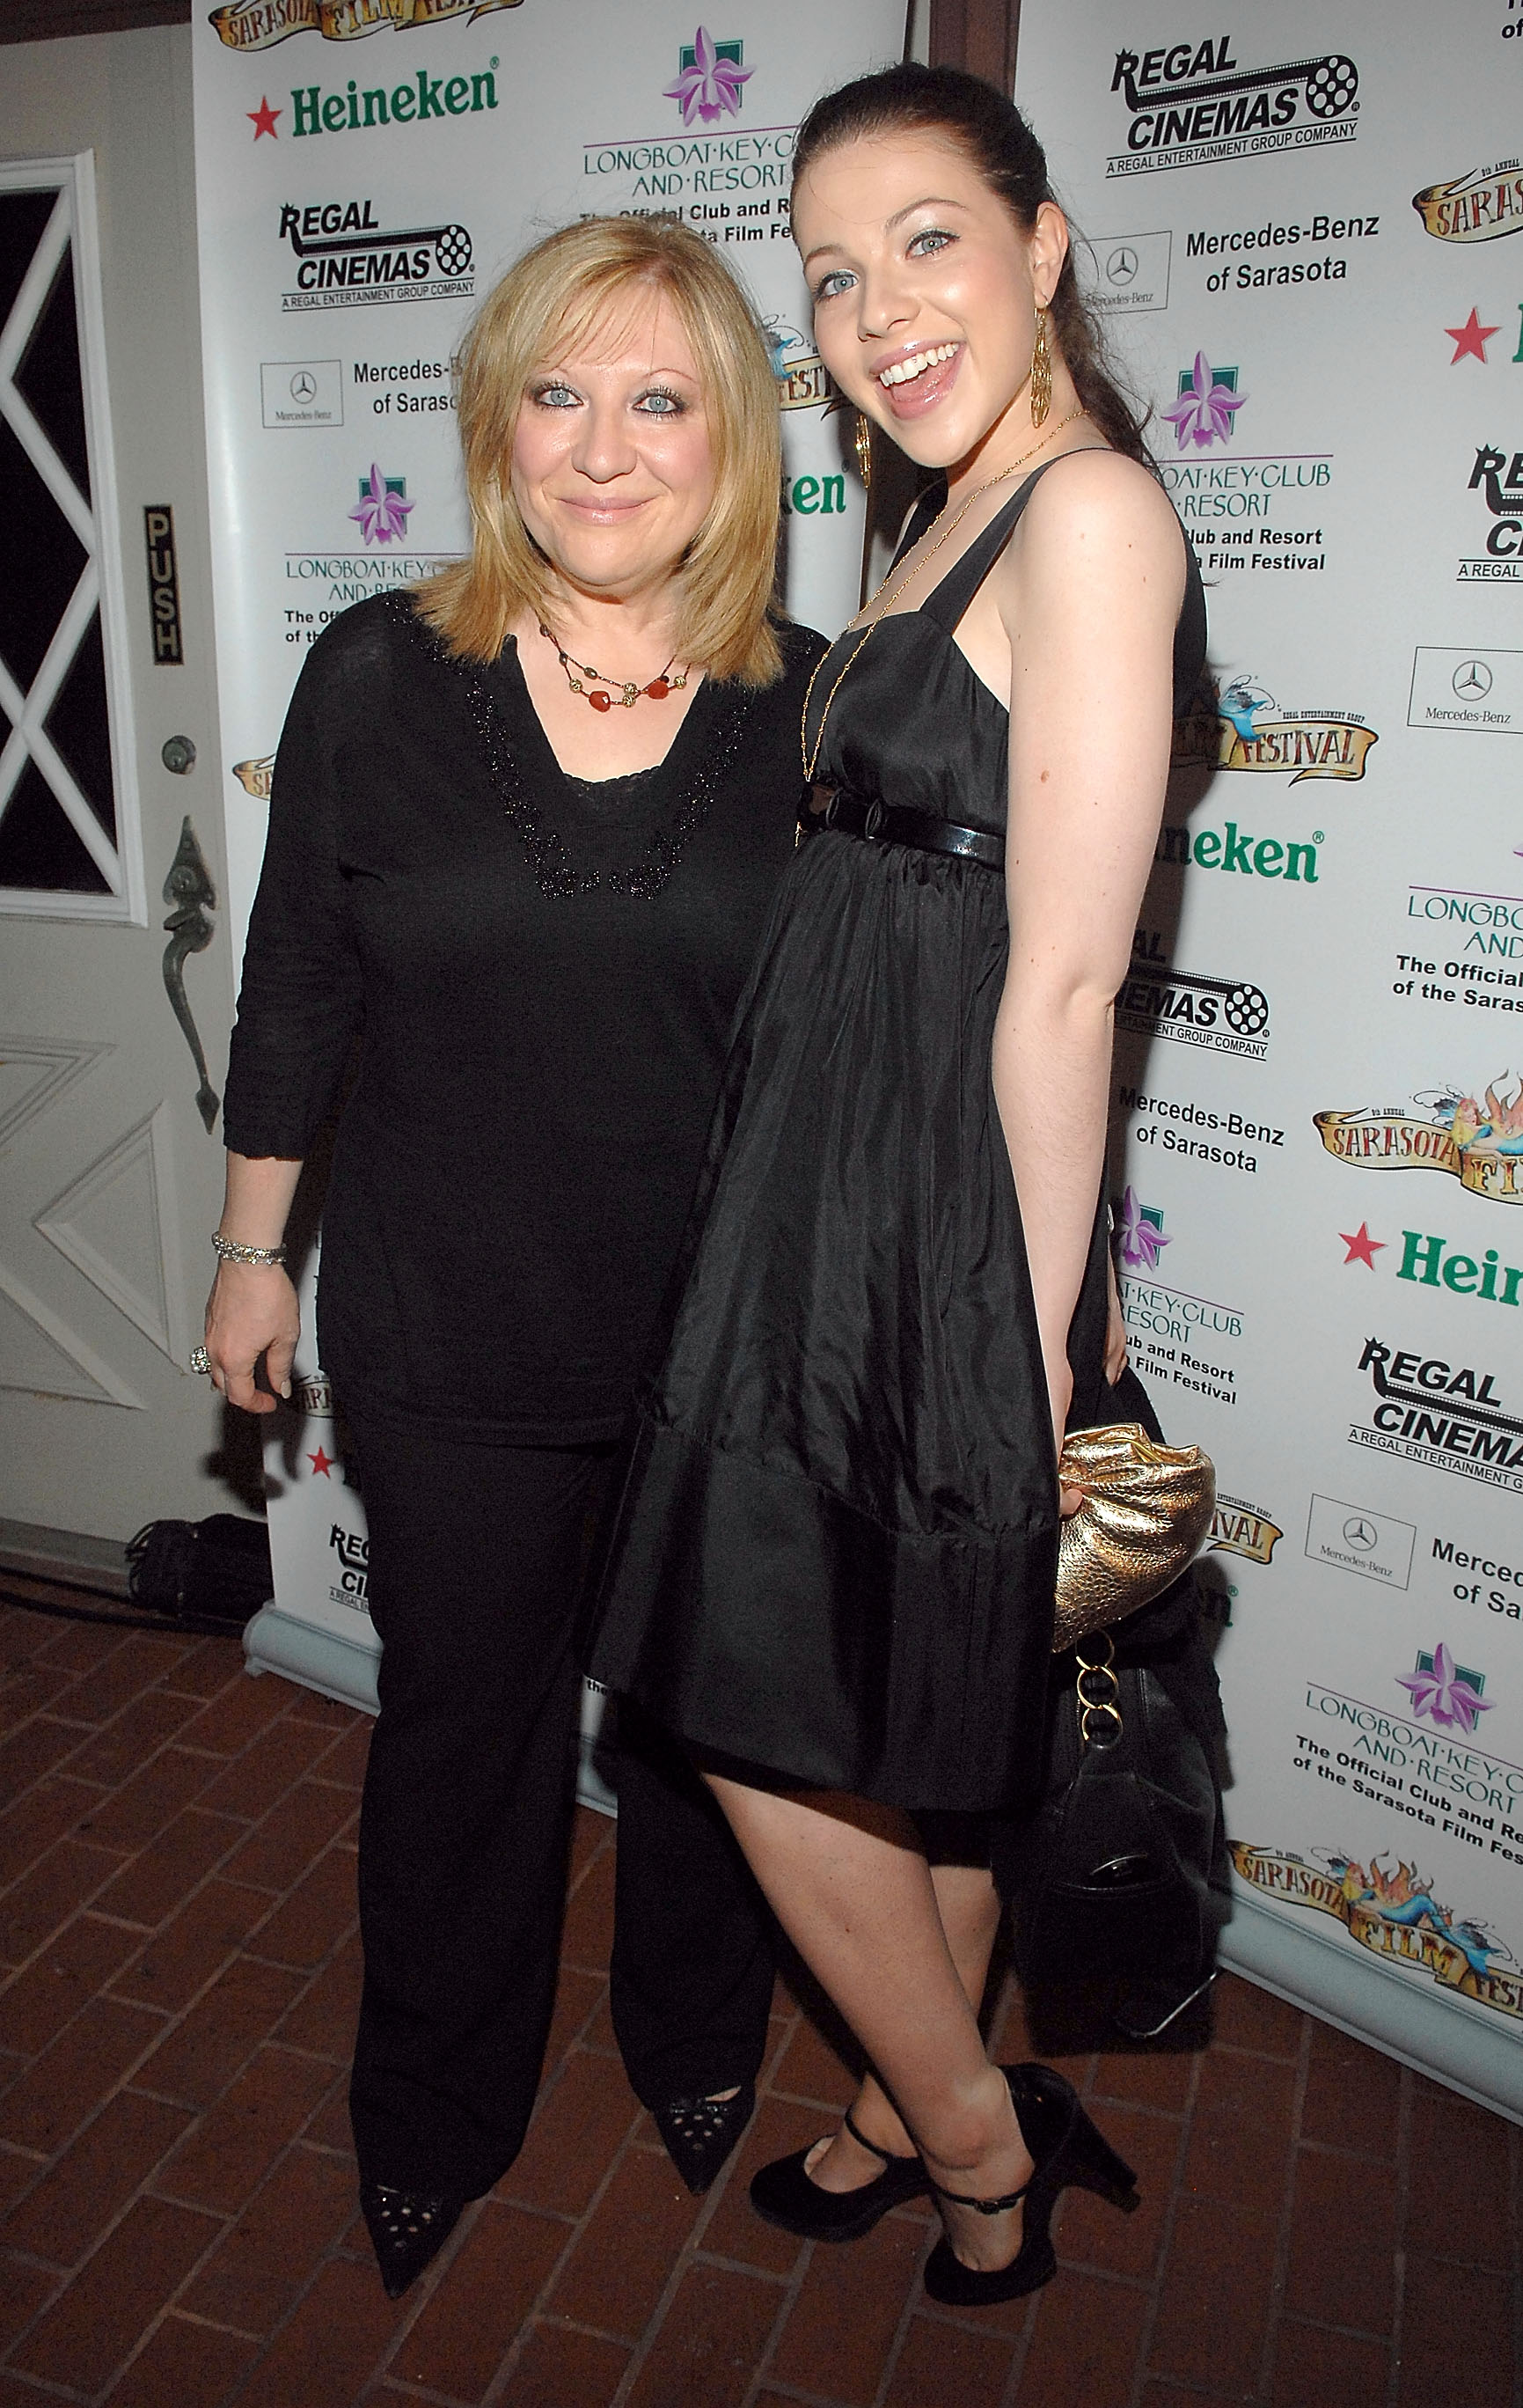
1190 1007
1478 207
353 1552
1498 478
1439 1413
347 259
259 25
1192 102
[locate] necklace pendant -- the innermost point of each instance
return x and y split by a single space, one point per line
658 689
601 701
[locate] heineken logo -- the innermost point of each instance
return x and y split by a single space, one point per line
1433 1263
259 25
1481 207
352 111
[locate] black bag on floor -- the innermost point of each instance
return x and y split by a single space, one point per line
217 1570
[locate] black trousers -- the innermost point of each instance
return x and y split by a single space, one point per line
476 1553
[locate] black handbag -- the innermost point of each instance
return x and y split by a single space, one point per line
1120 1875
214 1572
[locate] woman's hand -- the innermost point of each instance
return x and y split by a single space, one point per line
1115 1328
251 1311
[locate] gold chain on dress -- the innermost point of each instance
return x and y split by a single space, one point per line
811 760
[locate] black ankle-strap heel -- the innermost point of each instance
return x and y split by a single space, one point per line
1067 2149
783 2194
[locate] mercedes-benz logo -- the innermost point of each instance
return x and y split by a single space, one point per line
304 386
1121 266
1361 1533
1472 677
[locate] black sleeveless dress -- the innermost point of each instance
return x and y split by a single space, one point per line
836 1551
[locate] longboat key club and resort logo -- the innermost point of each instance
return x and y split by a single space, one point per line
1193 103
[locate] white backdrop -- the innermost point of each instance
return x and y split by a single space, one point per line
1301 239
366 171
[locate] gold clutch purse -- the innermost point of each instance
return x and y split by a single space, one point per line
1147 1509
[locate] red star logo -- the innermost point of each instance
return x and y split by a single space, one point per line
1470 340
263 120
1362 1248
321 1462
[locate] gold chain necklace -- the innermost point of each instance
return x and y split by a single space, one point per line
811 760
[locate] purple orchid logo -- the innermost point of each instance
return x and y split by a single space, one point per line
711 76
381 512
1446 1693
1208 403
1140 1234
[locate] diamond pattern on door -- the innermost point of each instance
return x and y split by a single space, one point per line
115 1223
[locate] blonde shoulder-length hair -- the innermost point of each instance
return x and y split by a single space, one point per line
545 306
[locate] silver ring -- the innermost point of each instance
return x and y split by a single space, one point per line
200 1360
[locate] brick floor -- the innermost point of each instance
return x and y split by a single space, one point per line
178 1972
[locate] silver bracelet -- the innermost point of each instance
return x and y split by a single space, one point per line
227 1251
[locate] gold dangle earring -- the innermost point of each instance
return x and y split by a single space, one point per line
1041 371
862 444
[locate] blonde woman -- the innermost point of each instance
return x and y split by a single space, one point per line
526 826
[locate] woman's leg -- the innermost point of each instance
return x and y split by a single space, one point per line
850 1884
969 1906
692 1973
464 1834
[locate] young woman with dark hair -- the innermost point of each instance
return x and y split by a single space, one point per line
834 1567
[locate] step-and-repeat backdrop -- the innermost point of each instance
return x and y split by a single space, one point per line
366 169
1300 227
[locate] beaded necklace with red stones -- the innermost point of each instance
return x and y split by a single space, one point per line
623 692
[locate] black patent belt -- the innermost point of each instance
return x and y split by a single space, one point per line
882 823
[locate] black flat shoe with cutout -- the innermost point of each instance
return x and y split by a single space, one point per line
406 2232
699 2133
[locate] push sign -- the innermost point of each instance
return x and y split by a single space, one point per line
162 582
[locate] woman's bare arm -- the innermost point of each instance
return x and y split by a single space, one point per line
252 1308
1089 594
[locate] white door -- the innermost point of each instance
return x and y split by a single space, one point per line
115 965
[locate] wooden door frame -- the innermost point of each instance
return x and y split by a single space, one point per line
978 35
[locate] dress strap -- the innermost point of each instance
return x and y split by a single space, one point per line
928 509
946 602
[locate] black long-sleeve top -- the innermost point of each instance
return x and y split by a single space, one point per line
540 972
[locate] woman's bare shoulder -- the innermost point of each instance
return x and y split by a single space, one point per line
1097 491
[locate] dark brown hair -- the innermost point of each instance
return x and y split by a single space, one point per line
994 136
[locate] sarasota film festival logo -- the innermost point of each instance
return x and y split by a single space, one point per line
1240 726
259 25
1227 1015
1481 207
347 259
1478 1140
1433 1412
1193 103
